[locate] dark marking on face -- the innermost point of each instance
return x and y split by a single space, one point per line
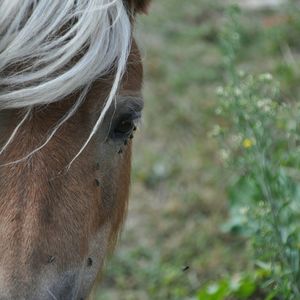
97 182
89 262
51 259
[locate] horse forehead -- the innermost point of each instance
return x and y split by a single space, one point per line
131 84
133 78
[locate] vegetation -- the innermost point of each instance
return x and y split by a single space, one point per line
263 139
215 209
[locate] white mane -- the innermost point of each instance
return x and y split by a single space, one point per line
55 58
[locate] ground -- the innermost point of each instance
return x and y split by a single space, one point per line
173 241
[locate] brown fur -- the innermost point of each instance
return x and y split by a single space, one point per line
139 6
47 213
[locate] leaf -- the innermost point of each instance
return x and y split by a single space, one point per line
247 288
295 260
215 291
271 295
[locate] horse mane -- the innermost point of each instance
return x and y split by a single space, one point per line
51 49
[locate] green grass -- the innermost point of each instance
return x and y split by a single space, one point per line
178 201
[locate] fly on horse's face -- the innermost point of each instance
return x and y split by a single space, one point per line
56 224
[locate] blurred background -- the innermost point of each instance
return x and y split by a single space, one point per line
175 239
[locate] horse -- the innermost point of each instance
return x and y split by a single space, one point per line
70 101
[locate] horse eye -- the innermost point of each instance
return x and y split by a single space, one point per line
123 127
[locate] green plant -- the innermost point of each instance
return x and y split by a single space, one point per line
260 136
239 286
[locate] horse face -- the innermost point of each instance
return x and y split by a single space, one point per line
57 225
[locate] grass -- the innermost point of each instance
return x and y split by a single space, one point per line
172 244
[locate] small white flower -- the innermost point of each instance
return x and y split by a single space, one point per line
266 77
215 131
218 111
244 210
241 73
237 138
224 154
212 289
220 91
237 92
265 105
